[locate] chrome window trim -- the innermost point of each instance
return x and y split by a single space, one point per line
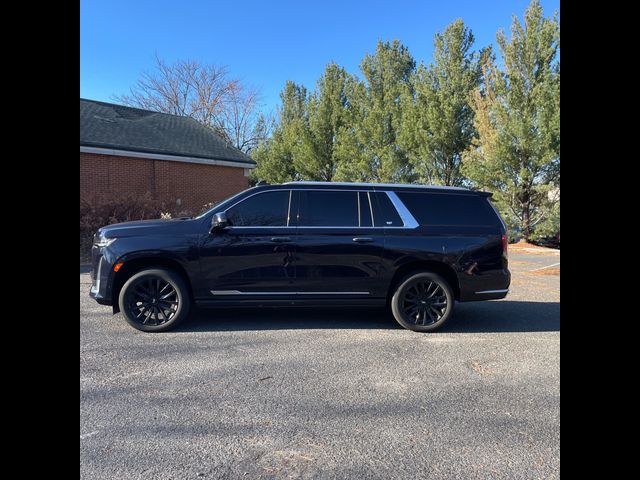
404 214
238 292
292 227
289 209
373 224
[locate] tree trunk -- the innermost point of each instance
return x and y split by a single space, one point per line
526 223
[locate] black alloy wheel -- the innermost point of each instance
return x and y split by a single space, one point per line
154 300
422 302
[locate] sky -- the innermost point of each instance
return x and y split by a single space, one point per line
267 43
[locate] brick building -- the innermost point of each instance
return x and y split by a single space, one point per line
126 151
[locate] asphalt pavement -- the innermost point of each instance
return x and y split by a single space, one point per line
310 393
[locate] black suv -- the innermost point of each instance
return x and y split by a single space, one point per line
417 249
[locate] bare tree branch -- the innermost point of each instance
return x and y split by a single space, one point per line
205 93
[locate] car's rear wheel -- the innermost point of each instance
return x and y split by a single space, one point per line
154 300
422 302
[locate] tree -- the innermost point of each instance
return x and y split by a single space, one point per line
439 122
517 153
318 157
377 116
275 156
240 121
203 92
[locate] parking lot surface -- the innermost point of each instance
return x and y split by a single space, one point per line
299 393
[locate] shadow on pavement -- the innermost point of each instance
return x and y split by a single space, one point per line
504 316
476 317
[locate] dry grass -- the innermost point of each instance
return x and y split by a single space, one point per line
531 248
546 271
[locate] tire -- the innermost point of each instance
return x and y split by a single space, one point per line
417 302
154 300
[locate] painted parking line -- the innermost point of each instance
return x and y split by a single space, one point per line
542 268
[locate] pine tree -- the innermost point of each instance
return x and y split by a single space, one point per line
275 157
439 121
517 154
318 158
376 113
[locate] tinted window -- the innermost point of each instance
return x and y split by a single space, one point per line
448 209
328 209
384 213
268 209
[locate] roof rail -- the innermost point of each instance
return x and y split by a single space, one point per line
382 185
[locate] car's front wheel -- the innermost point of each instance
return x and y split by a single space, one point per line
154 300
422 302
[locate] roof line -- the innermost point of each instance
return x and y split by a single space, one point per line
123 148
161 156
135 108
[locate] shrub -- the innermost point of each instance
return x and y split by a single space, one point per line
105 210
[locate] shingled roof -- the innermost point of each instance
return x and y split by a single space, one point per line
111 126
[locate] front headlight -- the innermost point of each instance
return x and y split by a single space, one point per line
103 241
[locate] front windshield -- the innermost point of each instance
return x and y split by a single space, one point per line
212 206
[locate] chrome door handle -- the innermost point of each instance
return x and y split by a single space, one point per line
363 239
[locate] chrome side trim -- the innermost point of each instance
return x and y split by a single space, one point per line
506 290
332 293
292 227
408 219
238 292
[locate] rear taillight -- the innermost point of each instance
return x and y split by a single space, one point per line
505 245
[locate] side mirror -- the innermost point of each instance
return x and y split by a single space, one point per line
219 221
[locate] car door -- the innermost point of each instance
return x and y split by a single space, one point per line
253 256
338 252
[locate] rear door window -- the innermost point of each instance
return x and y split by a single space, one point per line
448 209
328 208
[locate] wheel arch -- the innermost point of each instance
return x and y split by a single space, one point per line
132 266
440 268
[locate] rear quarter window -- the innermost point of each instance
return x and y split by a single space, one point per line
384 213
449 209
